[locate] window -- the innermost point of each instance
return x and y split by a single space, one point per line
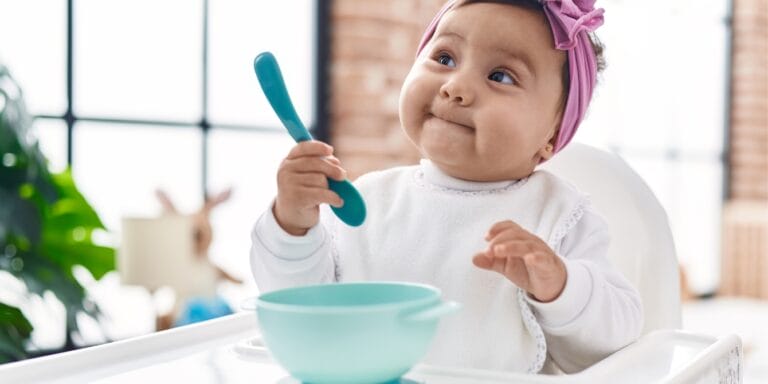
139 95
661 104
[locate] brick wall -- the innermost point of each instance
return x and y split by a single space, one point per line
372 48
749 108
745 216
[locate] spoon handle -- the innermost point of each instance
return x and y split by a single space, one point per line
271 80
353 211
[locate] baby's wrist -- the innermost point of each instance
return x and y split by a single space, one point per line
285 226
548 297
553 287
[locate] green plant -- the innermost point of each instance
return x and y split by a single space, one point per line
46 227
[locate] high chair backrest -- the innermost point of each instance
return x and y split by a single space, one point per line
641 240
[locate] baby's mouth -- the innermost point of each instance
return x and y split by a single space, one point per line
450 122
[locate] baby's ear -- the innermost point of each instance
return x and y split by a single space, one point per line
547 151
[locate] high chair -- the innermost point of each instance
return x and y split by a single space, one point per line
643 249
641 240
229 349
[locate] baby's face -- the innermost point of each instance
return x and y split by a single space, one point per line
482 100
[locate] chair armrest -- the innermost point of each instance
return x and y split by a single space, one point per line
721 362
671 357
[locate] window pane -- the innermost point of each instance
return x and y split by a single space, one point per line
118 167
664 86
656 173
699 118
33 45
247 162
697 220
241 29
138 59
52 137
664 91
690 190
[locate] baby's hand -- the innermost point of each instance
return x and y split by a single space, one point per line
302 186
524 259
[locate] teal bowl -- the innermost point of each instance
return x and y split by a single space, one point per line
371 332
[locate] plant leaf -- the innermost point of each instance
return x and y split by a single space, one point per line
20 216
71 201
44 220
15 330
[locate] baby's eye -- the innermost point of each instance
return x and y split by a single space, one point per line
501 77
445 59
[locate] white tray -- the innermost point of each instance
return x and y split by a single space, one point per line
223 351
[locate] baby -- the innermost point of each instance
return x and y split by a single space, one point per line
498 87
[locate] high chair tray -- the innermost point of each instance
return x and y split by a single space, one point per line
223 351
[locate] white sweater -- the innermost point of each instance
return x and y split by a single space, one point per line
425 226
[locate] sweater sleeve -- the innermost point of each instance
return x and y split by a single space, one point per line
599 311
281 260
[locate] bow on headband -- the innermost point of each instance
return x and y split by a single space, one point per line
570 21
569 17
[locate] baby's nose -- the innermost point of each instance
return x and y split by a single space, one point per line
458 90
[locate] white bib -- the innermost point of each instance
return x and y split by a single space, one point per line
424 226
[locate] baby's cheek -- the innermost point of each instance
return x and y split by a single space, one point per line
408 102
412 110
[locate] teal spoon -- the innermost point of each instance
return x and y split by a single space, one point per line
271 80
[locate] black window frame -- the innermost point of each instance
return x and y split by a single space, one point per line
319 126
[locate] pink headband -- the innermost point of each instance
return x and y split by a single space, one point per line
570 21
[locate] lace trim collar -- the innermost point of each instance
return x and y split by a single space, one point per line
430 176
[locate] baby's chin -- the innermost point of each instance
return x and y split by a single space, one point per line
452 170
444 152
453 166
475 170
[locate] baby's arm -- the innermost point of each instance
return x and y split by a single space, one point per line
281 260
599 311
289 247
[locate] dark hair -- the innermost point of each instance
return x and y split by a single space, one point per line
535 5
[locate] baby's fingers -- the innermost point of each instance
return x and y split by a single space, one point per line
514 248
523 254
311 197
310 148
509 267
333 160
501 227
543 264
315 165
482 260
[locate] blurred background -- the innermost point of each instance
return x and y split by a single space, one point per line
139 96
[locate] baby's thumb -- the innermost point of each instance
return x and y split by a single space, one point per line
482 261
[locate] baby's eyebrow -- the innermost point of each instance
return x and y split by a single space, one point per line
520 57
449 34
